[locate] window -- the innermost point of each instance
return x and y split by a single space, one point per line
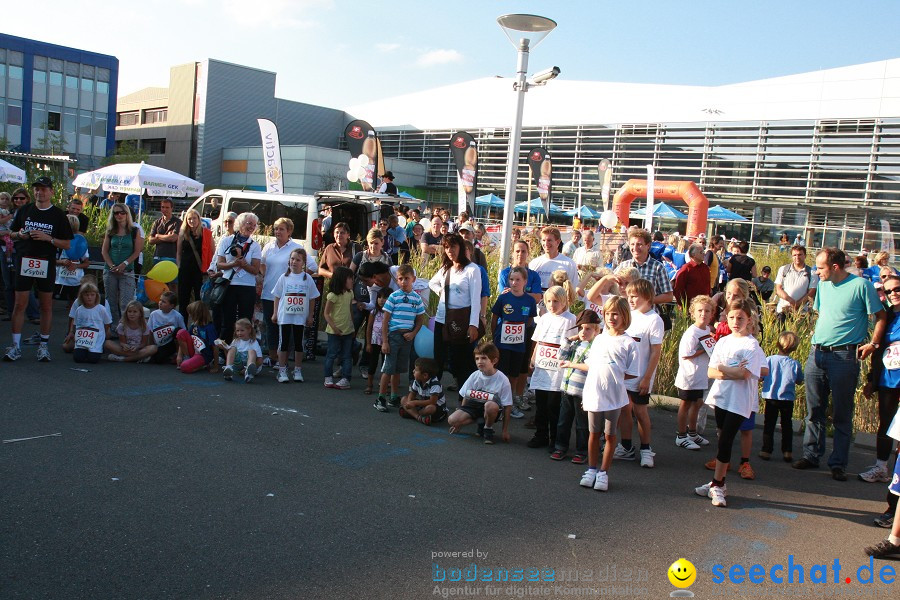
54 121
14 115
71 82
39 76
156 115
154 146
56 78
15 72
102 87
87 85
127 118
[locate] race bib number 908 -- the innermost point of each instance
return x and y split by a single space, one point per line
295 304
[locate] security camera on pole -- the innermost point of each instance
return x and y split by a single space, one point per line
523 31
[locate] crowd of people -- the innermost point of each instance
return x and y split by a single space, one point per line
593 368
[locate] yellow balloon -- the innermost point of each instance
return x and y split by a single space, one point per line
164 271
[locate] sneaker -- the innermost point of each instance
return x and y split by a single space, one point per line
425 419
250 373
876 474
298 375
115 358
34 340
683 441
746 471
557 455
623 454
538 442
699 439
711 465
717 494
364 371
12 353
839 474
267 362
393 401
329 382
43 353
488 435
601 484
703 490
883 549
588 479
228 373
283 376
344 384
885 519
805 463
647 458
515 413
380 404
764 455
579 459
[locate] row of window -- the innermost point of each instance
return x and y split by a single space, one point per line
151 146
150 116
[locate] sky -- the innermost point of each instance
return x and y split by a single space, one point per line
341 53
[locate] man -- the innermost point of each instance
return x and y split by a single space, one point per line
741 266
164 232
431 240
551 260
460 221
651 269
795 284
711 258
75 207
468 233
692 279
844 303
387 184
764 284
41 230
412 221
573 244
586 248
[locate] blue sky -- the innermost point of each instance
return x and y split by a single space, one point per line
345 52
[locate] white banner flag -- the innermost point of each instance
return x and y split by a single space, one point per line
887 238
650 197
271 156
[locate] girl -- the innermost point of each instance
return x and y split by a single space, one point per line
196 349
691 381
612 360
295 293
736 364
134 337
549 336
512 316
375 335
89 327
340 327
244 351
122 244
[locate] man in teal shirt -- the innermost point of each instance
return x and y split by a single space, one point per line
844 303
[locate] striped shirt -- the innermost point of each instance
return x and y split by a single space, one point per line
573 380
404 308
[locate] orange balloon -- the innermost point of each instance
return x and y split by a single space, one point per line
154 289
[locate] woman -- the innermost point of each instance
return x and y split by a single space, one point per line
879 261
373 253
337 254
122 244
784 244
193 251
463 291
238 257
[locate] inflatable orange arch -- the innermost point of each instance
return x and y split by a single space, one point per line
665 190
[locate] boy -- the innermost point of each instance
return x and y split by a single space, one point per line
482 396
574 376
512 317
404 312
779 394
164 324
425 401
647 331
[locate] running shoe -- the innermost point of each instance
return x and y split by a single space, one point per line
43 353
228 373
699 439
588 479
683 441
647 458
746 471
515 413
876 474
601 484
115 358
380 404
623 454
250 373
703 490
283 376
717 495
883 549
344 384
298 375
329 382
488 434
885 519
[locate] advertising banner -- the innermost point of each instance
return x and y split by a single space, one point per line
361 139
271 156
465 155
540 163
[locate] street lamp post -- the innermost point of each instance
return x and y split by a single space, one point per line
524 32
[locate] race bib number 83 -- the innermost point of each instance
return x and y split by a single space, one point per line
34 267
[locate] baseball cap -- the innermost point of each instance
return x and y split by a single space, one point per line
43 182
467 227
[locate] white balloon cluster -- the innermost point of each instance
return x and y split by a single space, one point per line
609 219
358 167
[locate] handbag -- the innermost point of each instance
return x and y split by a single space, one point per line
456 320
215 294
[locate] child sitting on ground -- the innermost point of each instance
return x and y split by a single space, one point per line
484 394
134 337
244 352
196 344
89 326
778 391
425 401
165 322
691 381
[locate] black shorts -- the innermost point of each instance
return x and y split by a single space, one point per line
43 284
510 363
642 399
690 395
476 410
165 352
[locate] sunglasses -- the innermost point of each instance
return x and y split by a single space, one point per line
885 276
20 197
118 212
892 290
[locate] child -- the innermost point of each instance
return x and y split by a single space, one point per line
513 315
736 364
375 335
70 268
89 327
340 327
778 392
165 322
647 330
404 313
196 343
425 401
295 293
482 396
134 337
578 349
691 381
546 380
244 352
612 361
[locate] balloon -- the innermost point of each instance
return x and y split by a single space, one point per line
352 175
609 219
424 343
154 289
164 271
425 222
354 164
77 248
363 160
140 292
431 324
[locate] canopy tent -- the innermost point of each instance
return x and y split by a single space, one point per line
537 208
490 200
661 210
133 178
585 212
407 195
11 173
720 213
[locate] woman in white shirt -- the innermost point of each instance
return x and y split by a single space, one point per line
464 291
238 256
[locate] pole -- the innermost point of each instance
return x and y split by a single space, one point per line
512 163
528 205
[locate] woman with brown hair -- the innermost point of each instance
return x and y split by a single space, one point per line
193 253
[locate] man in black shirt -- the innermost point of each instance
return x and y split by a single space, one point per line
41 229
75 208
387 184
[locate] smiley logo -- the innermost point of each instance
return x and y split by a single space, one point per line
682 573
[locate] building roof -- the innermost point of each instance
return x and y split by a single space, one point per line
863 90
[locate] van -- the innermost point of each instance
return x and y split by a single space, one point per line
359 210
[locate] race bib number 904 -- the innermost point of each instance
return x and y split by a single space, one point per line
86 337
547 356
512 333
34 267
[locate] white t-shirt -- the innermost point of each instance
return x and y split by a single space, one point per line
646 329
295 294
241 277
549 336
481 388
544 266
246 346
68 277
276 260
164 325
90 326
692 373
796 284
739 396
610 359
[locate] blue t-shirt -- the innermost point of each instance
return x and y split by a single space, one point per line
513 309
207 334
656 250
844 311
485 283
784 374
532 286
404 308
890 378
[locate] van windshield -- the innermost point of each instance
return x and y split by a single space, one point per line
270 211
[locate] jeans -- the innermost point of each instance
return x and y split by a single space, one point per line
570 410
546 415
119 292
837 373
339 347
